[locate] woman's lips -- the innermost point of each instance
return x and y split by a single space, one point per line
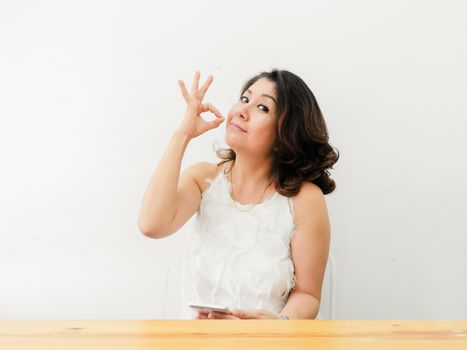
237 127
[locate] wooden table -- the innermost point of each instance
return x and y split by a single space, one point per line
231 334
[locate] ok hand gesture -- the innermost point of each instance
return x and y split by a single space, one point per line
193 124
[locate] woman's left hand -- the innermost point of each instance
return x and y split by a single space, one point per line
238 315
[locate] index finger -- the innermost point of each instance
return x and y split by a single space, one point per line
209 107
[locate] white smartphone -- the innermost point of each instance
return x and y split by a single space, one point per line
209 307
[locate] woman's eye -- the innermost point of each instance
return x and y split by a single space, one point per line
264 109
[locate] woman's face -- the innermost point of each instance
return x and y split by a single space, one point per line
255 112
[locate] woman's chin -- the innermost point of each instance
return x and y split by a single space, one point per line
233 142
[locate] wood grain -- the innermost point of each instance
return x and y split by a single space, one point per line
231 334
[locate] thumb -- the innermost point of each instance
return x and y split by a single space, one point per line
216 122
208 125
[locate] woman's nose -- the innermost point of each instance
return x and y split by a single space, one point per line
242 113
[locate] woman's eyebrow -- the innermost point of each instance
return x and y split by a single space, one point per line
266 95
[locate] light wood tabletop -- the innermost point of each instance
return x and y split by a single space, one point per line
231 334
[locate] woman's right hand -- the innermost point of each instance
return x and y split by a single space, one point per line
193 124
202 315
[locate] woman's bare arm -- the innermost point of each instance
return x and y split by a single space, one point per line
159 213
160 200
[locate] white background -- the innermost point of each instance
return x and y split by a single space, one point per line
89 99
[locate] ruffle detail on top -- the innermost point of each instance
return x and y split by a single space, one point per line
239 259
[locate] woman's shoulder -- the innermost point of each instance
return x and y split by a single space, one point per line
309 197
206 171
309 189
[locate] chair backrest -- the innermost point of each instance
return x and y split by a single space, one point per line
171 296
326 310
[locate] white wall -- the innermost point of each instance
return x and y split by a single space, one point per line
89 98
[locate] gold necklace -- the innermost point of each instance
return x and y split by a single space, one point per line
233 201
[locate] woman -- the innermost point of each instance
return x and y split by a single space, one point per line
262 231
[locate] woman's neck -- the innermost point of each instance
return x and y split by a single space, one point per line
249 175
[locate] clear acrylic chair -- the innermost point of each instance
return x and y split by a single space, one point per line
326 310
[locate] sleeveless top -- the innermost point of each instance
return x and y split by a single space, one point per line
238 259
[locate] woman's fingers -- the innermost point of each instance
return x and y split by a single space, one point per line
193 123
205 87
213 123
214 315
221 315
202 315
195 92
208 107
194 86
184 91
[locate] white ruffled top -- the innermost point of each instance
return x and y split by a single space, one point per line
240 259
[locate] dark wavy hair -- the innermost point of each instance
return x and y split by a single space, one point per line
301 151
